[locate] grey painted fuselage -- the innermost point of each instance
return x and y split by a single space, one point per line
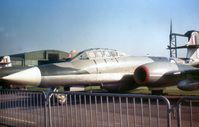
110 69
96 71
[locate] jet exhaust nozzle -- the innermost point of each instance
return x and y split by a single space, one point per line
141 75
149 74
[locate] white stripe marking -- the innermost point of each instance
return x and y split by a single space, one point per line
18 120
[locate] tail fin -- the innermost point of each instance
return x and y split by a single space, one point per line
193 47
5 62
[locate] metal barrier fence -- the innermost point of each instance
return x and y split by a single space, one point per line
188 112
109 110
22 108
28 109
76 109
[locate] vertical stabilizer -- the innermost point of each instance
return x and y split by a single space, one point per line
193 49
5 62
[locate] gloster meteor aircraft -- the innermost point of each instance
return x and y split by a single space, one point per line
110 69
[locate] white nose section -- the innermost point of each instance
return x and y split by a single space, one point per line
30 76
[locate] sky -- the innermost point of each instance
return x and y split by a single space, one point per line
137 27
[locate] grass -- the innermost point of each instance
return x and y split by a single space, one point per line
173 91
92 88
140 90
36 88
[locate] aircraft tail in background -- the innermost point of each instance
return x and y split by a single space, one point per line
5 62
193 48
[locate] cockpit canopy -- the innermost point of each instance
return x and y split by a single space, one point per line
98 53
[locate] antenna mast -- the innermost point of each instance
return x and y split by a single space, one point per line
172 42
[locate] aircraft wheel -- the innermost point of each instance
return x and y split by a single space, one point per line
157 92
66 88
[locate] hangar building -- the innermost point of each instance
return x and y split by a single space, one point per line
38 57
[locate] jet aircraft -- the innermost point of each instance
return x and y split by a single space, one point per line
111 69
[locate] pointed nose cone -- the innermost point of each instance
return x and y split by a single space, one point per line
31 76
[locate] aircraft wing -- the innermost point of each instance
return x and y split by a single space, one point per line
184 46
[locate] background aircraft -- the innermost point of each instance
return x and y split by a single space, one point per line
5 62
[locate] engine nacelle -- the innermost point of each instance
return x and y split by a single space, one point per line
152 72
188 85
